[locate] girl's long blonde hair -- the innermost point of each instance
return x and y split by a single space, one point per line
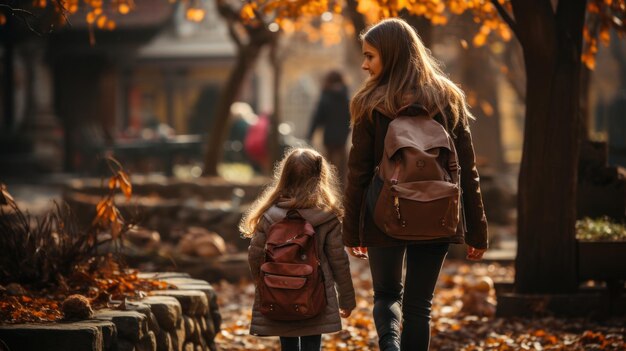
302 179
408 69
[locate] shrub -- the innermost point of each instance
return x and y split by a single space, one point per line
602 229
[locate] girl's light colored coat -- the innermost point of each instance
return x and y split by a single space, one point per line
335 267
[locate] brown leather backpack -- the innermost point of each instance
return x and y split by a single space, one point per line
291 284
415 192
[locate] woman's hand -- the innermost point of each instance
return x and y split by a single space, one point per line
344 313
358 252
474 254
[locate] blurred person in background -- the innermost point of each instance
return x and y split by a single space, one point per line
332 114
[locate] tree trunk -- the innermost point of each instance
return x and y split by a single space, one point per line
546 254
357 19
7 79
586 124
246 58
276 118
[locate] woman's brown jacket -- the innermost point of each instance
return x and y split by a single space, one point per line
366 152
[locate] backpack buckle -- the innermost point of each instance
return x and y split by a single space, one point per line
396 204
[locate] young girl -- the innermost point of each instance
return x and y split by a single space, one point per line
405 80
304 181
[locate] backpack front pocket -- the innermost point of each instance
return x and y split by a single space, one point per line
290 291
284 281
420 210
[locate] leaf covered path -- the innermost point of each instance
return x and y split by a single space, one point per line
453 328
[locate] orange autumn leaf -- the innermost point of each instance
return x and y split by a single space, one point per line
113 182
125 185
247 12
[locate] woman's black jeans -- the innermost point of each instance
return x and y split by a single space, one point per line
301 343
402 316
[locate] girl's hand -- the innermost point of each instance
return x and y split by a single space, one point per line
344 313
358 252
474 254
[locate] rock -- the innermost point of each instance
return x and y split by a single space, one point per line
162 275
76 307
163 341
214 316
177 281
201 242
143 237
211 345
178 337
478 298
130 325
196 335
190 327
108 330
193 303
15 289
80 336
144 309
202 324
166 309
125 345
147 343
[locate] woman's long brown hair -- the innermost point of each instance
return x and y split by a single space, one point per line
408 69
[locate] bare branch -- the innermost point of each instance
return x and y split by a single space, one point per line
506 17
22 14
64 12
232 18
233 34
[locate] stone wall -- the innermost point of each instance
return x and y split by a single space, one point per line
170 206
185 319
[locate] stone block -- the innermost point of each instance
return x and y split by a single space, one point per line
193 303
162 275
178 337
130 325
202 343
202 323
53 337
146 310
196 337
211 345
125 345
177 281
166 309
190 328
164 341
147 343
109 332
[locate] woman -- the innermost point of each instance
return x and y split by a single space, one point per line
405 80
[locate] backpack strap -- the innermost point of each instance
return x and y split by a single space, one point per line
293 214
453 165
